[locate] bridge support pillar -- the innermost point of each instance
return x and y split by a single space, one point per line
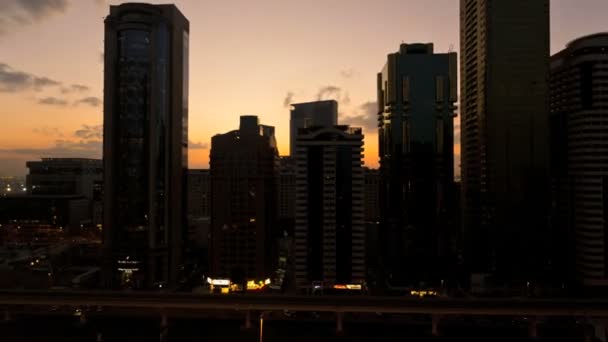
435 319
339 322
248 320
164 328
533 328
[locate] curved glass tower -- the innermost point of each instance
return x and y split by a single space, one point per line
145 144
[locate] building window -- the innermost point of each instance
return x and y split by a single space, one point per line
405 126
405 89
439 88
439 135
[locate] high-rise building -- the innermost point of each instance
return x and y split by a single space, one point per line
416 97
329 230
63 176
579 143
244 172
504 63
145 144
372 194
287 188
318 113
199 208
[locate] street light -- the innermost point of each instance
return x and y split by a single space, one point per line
261 327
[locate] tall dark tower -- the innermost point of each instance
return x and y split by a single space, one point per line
244 174
504 63
416 97
145 144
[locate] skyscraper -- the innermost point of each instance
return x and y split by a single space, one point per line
244 172
319 113
145 144
504 63
199 208
579 132
416 96
329 231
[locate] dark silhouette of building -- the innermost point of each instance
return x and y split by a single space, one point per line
318 113
579 143
504 123
145 144
372 194
287 188
416 96
63 176
199 208
329 231
244 172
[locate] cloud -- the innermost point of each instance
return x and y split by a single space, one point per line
91 101
61 149
52 101
17 13
333 93
12 80
197 145
48 131
89 132
366 116
75 88
41 82
328 93
288 99
349 73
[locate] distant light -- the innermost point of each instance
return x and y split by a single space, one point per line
220 282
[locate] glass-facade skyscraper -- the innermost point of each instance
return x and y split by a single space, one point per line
416 97
145 144
504 64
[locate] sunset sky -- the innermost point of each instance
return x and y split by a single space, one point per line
246 57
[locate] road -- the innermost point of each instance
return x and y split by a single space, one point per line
155 302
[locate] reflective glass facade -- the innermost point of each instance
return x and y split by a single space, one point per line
145 144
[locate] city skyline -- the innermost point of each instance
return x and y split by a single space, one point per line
57 99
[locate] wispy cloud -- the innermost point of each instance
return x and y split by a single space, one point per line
12 80
366 116
348 73
52 101
89 132
91 101
328 93
75 88
48 131
197 145
61 149
288 100
332 92
18 13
